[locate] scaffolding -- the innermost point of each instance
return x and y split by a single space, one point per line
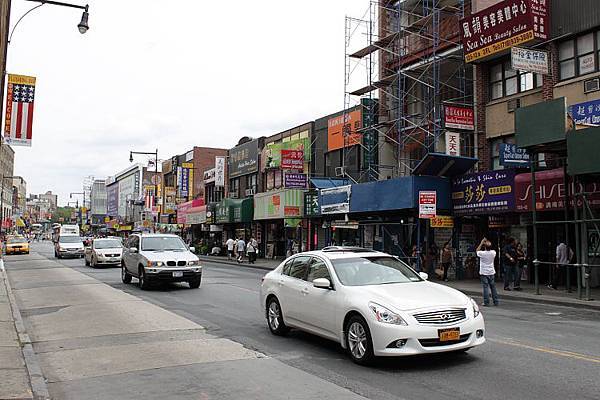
414 65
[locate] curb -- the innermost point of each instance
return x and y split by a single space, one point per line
594 306
32 364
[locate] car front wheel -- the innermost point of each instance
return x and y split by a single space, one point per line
195 283
125 276
275 317
358 340
143 282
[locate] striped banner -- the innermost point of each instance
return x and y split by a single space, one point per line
18 122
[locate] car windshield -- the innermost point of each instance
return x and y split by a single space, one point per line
361 271
161 243
16 240
107 244
69 239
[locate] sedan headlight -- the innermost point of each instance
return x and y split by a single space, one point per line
382 314
155 264
475 308
61 249
195 262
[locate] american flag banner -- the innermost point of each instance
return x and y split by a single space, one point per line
18 120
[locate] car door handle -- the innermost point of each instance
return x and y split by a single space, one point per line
281 282
304 291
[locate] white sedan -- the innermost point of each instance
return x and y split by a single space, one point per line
371 303
104 251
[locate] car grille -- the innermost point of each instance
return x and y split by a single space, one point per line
181 263
168 276
436 342
176 263
111 255
441 317
171 263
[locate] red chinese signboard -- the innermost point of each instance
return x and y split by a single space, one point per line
550 191
458 117
427 204
291 211
292 159
504 25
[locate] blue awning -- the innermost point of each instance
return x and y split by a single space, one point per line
326 183
439 164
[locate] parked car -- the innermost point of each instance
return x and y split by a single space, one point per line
69 246
104 251
370 302
17 245
154 258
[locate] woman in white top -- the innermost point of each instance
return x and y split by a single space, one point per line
486 271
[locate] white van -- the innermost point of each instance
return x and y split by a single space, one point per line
69 230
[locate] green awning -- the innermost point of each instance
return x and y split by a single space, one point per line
234 210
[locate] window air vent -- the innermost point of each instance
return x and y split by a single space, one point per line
591 85
513 105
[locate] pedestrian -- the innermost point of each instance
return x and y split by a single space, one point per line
564 255
241 247
510 262
446 259
486 271
434 253
521 257
230 243
251 250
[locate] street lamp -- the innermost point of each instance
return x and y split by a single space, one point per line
155 154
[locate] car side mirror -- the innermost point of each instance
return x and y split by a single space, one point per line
424 275
193 249
133 250
322 283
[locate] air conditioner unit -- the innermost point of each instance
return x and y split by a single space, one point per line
339 171
250 192
513 104
591 85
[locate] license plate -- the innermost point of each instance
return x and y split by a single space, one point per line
177 274
113 259
447 335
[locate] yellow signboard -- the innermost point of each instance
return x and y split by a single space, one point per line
442 221
499 46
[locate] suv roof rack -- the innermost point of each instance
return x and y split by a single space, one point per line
349 249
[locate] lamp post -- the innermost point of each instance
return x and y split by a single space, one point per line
154 202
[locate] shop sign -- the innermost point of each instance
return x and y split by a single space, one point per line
587 113
112 199
279 204
550 191
344 224
209 175
292 159
219 171
311 204
182 211
243 159
169 200
184 180
427 204
295 181
222 211
342 131
536 61
484 192
442 221
453 143
291 211
513 156
273 154
504 25
502 221
459 117
335 200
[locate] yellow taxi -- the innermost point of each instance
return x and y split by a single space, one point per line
17 245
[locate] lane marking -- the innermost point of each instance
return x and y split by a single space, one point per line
562 353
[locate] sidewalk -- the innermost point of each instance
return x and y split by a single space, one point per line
471 287
14 378
94 341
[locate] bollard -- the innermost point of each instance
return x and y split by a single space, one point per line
587 275
536 264
1 264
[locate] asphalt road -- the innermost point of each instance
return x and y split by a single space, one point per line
533 351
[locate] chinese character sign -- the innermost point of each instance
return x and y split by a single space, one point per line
458 117
530 60
295 181
243 159
513 156
342 131
504 25
587 113
484 192
453 143
292 159
427 204
20 93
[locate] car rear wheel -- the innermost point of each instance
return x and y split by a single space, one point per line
275 317
125 276
143 282
358 341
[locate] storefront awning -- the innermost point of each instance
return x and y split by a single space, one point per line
326 183
438 164
234 210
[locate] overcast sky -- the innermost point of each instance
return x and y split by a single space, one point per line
170 74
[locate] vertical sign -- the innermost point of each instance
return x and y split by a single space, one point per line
427 204
18 124
219 171
453 143
189 166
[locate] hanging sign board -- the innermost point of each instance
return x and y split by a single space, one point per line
536 61
427 204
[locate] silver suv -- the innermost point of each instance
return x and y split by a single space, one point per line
154 258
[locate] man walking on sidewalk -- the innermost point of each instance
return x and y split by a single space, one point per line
230 243
564 255
486 271
510 263
241 247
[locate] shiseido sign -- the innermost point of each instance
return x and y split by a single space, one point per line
504 25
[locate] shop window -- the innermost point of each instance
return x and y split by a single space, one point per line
303 134
505 81
578 56
251 181
234 187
